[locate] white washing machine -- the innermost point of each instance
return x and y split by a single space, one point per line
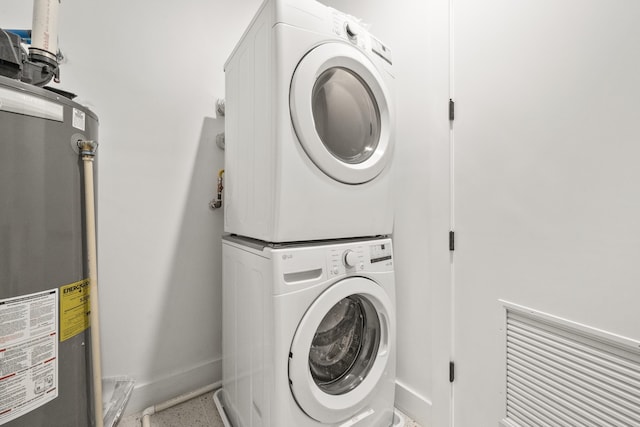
309 127
308 334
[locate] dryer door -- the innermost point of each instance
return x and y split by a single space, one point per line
342 113
341 349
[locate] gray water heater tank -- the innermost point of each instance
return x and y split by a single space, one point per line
44 340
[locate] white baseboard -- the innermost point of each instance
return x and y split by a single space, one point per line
167 387
413 404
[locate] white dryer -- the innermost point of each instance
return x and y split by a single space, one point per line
308 334
309 127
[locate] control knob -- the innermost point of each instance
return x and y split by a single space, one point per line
349 258
351 34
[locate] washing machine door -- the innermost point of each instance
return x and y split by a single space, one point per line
341 349
342 113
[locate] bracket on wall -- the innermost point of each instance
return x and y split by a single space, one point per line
452 240
451 109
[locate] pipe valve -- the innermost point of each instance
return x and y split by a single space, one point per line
217 202
87 148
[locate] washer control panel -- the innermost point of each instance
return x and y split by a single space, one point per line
346 259
358 258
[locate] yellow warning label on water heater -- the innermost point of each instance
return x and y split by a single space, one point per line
74 309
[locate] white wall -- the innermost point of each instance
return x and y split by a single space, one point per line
546 191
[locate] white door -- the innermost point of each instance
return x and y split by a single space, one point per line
341 349
547 213
342 113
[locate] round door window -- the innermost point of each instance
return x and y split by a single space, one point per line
341 350
345 345
340 106
346 115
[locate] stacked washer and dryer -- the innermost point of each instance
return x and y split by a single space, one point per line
308 282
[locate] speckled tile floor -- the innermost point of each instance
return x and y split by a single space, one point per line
198 412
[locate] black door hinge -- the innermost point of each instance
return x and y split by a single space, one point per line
452 240
452 109
452 372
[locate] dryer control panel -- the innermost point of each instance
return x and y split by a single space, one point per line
349 28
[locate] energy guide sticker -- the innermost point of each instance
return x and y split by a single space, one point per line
28 353
74 309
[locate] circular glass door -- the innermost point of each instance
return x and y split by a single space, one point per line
346 115
345 345
341 349
341 112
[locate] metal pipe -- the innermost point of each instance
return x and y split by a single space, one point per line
88 152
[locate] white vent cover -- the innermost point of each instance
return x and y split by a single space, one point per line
558 375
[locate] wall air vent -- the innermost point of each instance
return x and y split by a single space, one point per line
558 374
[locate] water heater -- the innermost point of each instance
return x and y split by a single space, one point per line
44 320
